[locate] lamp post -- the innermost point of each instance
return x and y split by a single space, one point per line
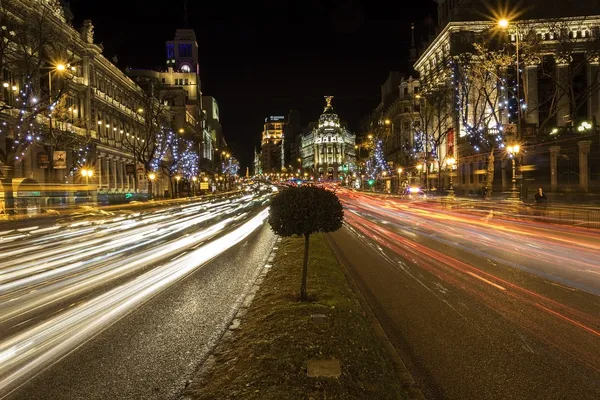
151 178
513 150
419 168
505 24
418 97
399 179
87 173
177 178
58 68
194 180
450 162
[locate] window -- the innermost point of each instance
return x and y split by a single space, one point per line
185 50
170 51
185 68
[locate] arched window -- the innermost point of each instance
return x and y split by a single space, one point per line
185 68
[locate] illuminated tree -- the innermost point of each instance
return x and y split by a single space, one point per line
376 164
33 53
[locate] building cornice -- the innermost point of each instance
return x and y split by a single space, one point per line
443 38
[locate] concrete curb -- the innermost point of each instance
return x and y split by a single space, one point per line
242 308
402 372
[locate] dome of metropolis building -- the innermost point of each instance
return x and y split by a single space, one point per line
328 148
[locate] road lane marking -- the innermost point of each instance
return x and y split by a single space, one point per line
181 255
486 281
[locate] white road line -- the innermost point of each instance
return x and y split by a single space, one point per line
486 281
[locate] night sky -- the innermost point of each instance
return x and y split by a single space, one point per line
264 58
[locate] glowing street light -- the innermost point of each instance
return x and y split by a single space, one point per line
450 162
87 173
513 151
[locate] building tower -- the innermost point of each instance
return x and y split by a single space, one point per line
328 149
412 53
272 150
182 52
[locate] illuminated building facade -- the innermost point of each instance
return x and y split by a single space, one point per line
328 149
272 159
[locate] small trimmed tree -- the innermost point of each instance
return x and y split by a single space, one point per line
302 211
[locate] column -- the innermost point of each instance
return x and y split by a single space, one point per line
115 174
554 153
562 88
532 115
99 170
109 172
584 151
593 77
121 171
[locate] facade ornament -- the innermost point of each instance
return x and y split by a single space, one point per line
328 105
55 7
594 57
87 31
563 59
532 60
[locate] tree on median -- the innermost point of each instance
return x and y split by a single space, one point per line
302 211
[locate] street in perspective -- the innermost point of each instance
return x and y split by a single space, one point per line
307 200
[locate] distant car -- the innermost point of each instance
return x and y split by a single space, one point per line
414 192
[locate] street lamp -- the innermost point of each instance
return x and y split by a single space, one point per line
151 178
450 162
58 68
177 178
513 150
87 173
399 179
419 168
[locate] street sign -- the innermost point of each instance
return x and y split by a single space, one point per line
130 169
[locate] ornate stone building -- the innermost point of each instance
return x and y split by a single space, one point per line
551 107
328 149
80 108
272 151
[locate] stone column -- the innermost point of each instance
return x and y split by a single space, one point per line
532 115
99 171
115 173
121 170
584 151
593 77
554 153
562 87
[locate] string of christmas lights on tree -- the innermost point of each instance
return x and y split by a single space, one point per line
489 132
163 139
377 164
231 166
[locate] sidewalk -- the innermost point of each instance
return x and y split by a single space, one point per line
267 352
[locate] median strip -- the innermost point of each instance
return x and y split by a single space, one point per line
287 349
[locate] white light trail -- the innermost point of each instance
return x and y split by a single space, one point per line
28 352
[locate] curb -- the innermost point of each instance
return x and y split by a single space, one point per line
402 372
242 306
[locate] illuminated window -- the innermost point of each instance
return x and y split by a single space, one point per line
185 68
185 50
170 51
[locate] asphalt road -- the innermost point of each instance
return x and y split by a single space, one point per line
478 308
127 307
